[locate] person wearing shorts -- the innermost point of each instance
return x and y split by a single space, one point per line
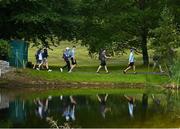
102 58
157 62
66 57
131 63
45 59
37 58
73 59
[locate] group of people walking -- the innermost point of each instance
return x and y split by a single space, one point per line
70 60
41 59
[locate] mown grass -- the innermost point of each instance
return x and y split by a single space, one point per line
88 74
86 68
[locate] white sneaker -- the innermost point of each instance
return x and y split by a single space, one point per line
37 69
70 72
49 70
61 69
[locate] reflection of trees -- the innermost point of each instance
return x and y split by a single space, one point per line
173 103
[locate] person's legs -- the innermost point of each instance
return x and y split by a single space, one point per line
154 66
68 65
134 68
160 68
40 64
73 61
105 67
99 68
128 68
35 64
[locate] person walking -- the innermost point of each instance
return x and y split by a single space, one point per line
66 56
39 59
45 60
73 59
131 63
157 62
103 58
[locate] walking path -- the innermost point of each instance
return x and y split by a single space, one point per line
148 73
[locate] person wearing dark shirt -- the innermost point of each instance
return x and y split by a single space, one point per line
45 59
102 58
103 108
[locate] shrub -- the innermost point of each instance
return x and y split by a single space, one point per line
4 50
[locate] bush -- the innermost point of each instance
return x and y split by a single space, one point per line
4 50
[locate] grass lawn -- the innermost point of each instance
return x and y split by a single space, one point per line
86 69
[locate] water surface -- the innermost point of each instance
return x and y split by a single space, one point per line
88 111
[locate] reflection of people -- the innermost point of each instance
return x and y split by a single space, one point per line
131 101
145 101
131 63
69 111
42 107
103 108
102 58
156 100
157 62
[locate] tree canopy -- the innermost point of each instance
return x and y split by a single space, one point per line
112 24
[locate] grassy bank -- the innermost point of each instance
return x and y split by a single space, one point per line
85 72
88 74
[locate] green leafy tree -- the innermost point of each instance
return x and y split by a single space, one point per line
119 24
166 38
4 50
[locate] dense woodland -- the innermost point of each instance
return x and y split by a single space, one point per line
112 24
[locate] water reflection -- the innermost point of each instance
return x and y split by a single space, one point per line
103 107
131 101
101 110
69 105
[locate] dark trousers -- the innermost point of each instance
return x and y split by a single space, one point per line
68 65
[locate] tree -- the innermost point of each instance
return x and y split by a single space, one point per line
119 24
37 20
166 38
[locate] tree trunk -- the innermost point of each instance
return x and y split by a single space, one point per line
143 35
144 48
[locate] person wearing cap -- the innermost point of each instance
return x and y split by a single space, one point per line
131 62
66 56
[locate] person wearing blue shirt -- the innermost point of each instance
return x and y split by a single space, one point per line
131 63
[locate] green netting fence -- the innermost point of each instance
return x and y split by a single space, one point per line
19 53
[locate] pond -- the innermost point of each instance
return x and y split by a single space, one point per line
89 111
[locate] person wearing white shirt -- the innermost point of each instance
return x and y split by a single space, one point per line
131 62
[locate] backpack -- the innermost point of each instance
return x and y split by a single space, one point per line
100 55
